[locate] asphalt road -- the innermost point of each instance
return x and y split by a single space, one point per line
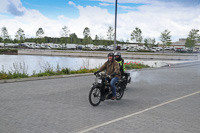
157 101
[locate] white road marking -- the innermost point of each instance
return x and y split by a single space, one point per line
137 113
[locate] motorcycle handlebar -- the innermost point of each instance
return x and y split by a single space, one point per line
107 76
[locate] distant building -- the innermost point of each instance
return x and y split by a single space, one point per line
182 40
181 44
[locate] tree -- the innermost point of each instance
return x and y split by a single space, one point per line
127 41
189 43
86 35
192 38
86 32
165 38
74 38
20 35
153 41
149 43
4 33
122 41
1 39
65 32
40 33
64 40
5 36
96 40
40 36
193 34
137 35
110 33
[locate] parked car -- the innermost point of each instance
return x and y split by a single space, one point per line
132 49
24 45
109 48
71 46
153 50
167 48
118 48
181 50
124 48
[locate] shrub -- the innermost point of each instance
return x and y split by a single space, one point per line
8 50
135 65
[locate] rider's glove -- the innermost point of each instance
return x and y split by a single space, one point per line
113 74
96 72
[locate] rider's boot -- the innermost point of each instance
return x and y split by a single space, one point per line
113 98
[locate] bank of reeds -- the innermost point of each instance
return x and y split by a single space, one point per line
17 71
20 70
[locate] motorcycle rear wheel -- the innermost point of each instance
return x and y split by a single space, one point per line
95 96
119 91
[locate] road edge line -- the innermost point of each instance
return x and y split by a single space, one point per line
137 113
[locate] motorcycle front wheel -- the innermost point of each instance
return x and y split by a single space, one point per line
95 96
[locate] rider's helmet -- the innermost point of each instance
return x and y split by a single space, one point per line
111 54
117 55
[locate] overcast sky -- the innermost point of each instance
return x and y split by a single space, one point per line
151 16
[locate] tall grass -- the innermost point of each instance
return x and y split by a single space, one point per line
19 70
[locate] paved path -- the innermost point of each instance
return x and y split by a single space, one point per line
158 101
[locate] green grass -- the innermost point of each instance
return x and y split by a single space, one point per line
49 72
20 70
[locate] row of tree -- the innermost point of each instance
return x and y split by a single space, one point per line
165 38
66 37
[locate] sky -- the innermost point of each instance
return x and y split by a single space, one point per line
151 16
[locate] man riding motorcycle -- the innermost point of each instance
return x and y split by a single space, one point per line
112 68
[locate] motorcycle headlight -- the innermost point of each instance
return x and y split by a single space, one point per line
99 81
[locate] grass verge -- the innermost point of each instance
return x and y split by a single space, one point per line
20 71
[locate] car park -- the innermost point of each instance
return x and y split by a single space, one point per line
132 49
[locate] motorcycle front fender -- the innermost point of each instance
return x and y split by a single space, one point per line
95 86
129 80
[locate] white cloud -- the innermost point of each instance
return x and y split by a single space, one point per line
181 2
30 22
152 19
120 6
72 3
13 7
3 5
126 7
106 4
95 18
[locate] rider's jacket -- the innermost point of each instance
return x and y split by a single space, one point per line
121 64
111 67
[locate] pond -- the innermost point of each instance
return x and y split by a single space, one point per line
36 64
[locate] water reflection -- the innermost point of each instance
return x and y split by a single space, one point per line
38 63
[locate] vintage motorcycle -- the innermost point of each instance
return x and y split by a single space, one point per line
101 89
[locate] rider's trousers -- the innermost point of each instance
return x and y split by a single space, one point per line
112 84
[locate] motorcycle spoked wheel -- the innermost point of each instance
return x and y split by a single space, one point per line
95 96
119 91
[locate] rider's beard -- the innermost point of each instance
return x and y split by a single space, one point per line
109 59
